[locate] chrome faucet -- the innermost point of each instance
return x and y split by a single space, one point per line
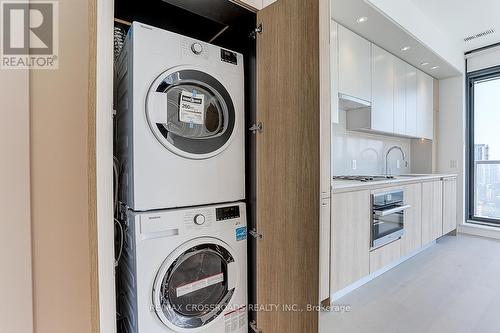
387 157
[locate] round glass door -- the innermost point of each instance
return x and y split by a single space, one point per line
193 289
190 113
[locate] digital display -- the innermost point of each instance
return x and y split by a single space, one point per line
228 56
227 213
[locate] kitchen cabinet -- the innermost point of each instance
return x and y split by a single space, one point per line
449 204
385 255
354 65
334 71
432 211
350 238
425 106
412 236
400 74
382 110
324 249
411 101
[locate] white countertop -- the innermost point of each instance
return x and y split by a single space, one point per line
339 186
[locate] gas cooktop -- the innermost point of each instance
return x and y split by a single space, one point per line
364 178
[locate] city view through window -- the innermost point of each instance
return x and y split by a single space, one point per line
487 148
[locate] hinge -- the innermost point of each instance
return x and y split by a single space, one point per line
253 326
256 128
256 31
253 232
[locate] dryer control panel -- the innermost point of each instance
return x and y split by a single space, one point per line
227 213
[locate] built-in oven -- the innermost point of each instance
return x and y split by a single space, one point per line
388 217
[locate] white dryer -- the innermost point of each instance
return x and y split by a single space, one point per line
180 121
184 270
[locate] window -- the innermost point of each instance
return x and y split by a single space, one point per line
483 125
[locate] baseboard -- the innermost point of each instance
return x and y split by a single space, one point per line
341 293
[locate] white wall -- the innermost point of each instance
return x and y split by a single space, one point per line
413 20
451 136
367 149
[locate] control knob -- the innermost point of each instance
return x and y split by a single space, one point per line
199 219
197 48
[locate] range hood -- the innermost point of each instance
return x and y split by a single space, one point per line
349 103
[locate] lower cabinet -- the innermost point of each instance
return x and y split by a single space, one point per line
324 249
385 255
449 205
412 237
432 211
350 250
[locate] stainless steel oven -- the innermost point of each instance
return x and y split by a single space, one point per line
388 217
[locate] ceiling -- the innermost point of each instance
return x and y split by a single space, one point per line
462 18
387 34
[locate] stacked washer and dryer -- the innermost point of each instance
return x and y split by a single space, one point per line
180 145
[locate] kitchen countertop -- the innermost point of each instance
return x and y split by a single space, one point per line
340 186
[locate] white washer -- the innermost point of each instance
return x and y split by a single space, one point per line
184 270
180 121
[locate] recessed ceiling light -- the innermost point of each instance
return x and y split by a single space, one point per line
362 19
424 64
435 67
405 48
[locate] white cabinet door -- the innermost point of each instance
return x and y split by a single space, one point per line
399 96
382 111
354 65
411 101
425 106
324 249
334 70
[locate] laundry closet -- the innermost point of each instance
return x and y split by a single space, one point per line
216 165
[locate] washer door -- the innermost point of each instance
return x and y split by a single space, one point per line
191 113
195 284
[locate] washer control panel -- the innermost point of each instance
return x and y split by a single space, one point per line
228 56
227 213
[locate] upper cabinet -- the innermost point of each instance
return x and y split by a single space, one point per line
334 71
425 106
400 73
411 101
381 92
354 66
382 110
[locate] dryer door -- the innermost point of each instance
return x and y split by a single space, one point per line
191 113
195 284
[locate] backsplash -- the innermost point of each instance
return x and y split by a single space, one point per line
367 149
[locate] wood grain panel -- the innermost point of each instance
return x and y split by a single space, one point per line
385 255
350 248
288 164
412 237
92 169
449 205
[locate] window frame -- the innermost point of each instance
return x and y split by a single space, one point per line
471 78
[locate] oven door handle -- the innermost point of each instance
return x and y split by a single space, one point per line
391 211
